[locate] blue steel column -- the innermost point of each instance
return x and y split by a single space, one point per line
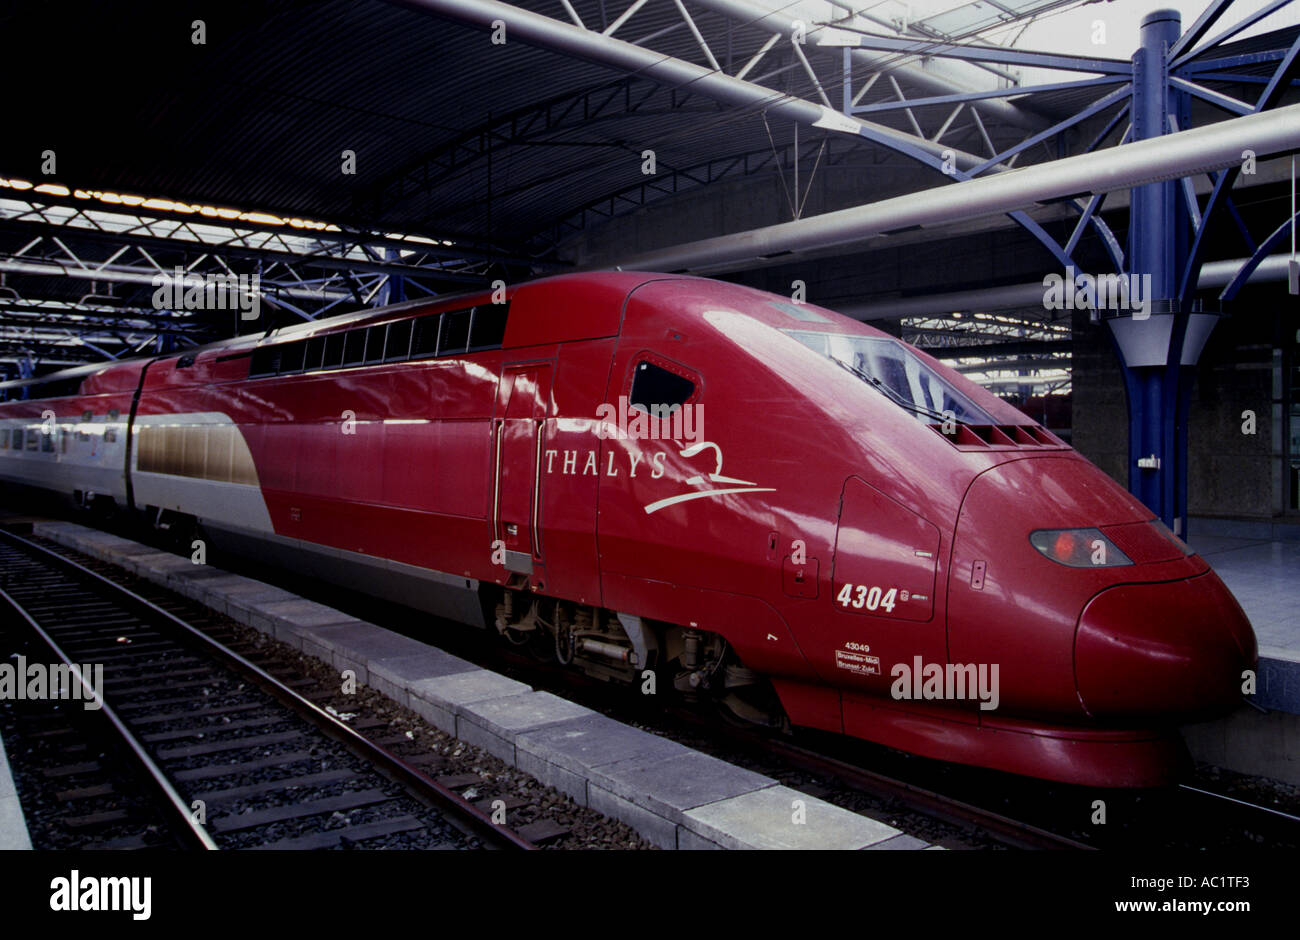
26 370
1159 387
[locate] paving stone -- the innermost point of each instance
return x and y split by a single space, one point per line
1278 685
371 643
212 591
111 545
7 787
441 717
149 564
124 548
571 784
240 601
648 825
899 842
393 676
439 699
493 724
1207 741
13 828
465 688
289 618
579 745
192 583
688 841
173 567
671 786
321 641
766 819
95 535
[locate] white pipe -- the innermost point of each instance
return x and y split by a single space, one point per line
1213 274
1147 161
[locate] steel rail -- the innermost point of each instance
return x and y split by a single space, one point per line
177 812
363 747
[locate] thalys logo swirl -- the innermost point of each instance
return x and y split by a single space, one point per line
702 480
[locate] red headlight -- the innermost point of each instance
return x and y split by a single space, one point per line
1078 548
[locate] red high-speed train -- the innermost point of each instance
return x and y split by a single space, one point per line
764 502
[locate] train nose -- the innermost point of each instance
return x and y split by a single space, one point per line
1167 649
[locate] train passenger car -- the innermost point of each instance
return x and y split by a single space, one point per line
767 503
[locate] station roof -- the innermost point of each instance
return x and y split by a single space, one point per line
438 116
503 150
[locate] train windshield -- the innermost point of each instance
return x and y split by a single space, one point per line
899 375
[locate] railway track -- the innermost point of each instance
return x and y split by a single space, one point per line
1200 804
958 814
1172 810
1171 817
198 746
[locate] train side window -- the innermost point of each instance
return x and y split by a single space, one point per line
4 438
424 342
657 391
488 330
375 344
63 388
264 362
110 432
333 356
398 346
454 338
291 357
354 348
33 438
315 352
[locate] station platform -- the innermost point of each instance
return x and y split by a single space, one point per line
1260 564
13 828
1259 561
674 796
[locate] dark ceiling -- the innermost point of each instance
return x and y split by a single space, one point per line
507 149
453 135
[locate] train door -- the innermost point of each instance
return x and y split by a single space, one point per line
517 499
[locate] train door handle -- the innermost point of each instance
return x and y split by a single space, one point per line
496 482
535 529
